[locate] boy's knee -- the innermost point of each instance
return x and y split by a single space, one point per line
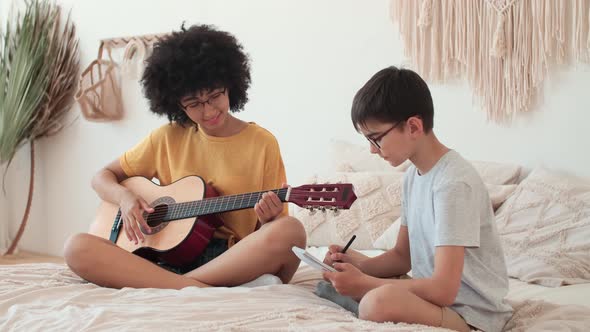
379 304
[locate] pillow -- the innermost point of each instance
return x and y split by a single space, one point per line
497 173
545 229
377 207
499 193
374 216
348 157
388 239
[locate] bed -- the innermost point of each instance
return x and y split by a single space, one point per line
49 297
543 221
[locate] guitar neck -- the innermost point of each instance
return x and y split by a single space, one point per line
219 204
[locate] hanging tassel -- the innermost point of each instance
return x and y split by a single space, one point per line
425 18
499 42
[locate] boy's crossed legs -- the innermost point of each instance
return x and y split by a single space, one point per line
384 304
397 304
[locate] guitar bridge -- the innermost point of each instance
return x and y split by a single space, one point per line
116 229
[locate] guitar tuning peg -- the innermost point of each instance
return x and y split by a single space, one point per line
335 211
312 210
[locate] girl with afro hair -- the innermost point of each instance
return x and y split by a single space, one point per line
197 78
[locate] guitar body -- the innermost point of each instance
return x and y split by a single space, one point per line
177 242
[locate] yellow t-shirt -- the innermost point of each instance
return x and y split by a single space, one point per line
246 162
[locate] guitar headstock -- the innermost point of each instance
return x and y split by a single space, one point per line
323 196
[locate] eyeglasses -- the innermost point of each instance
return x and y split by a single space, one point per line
214 100
376 141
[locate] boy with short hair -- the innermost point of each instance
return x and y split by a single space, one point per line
448 236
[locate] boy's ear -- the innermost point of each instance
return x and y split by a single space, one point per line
415 125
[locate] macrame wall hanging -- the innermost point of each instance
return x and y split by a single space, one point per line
503 47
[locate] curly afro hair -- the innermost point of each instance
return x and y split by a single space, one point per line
192 60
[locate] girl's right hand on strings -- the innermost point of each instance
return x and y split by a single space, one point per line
132 210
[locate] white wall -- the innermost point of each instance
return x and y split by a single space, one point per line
308 58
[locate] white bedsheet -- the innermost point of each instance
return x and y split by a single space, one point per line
49 297
573 294
519 290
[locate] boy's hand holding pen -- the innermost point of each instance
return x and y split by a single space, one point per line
347 246
333 250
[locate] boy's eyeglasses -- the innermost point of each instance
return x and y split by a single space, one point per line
214 100
376 141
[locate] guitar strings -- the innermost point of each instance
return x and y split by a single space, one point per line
220 202
194 205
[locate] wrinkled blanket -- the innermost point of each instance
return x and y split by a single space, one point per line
50 297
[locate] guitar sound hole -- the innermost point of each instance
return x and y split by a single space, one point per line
155 218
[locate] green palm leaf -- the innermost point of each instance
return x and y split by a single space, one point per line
39 63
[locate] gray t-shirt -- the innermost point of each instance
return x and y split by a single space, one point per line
450 206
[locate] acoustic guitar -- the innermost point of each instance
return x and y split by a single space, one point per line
185 214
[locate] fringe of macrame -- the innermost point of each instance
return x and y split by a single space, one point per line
504 53
425 18
499 41
581 33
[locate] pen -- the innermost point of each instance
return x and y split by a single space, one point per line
348 244
346 247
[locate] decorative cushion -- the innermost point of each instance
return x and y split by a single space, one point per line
497 173
377 207
349 157
373 217
499 193
388 239
545 229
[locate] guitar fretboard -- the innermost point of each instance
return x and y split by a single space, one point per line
218 204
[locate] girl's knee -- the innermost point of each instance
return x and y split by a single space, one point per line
289 231
297 231
78 249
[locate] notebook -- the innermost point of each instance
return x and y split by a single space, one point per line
311 260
